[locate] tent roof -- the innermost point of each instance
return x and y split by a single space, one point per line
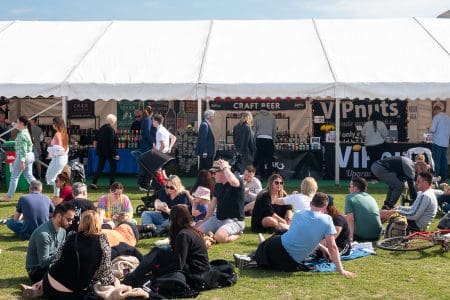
384 58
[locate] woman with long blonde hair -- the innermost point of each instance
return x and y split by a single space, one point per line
173 194
244 140
58 152
268 216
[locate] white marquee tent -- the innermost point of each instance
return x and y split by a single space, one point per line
338 59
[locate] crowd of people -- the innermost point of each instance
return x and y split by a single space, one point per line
73 242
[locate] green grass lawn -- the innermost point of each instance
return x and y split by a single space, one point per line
416 275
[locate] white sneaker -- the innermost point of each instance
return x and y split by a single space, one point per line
261 238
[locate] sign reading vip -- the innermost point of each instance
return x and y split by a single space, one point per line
234 104
354 113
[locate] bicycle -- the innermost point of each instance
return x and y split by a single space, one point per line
416 241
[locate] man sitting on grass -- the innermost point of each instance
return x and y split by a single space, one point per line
423 210
286 252
32 210
363 215
46 239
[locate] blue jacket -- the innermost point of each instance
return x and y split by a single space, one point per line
205 141
148 135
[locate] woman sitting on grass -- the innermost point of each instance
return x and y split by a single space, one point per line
187 251
172 195
65 189
115 208
83 259
268 216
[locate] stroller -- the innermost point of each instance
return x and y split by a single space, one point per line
77 172
151 161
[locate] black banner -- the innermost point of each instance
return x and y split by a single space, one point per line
257 105
77 109
357 112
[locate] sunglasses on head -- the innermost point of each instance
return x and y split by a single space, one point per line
170 187
278 182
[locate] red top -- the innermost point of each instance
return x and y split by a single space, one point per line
66 193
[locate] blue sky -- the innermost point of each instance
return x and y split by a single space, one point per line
216 9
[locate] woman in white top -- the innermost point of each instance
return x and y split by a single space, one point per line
58 152
374 133
301 201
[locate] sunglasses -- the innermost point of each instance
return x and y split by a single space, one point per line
170 187
137 117
69 220
278 182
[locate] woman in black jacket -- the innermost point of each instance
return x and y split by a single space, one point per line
187 251
106 150
244 140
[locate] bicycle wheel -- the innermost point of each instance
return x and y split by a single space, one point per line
401 243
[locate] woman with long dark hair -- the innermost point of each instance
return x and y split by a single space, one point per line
342 230
187 250
58 152
374 133
24 157
205 179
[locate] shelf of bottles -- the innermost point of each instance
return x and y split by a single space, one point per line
186 142
127 139
294 143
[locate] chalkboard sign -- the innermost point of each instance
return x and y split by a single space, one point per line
77 109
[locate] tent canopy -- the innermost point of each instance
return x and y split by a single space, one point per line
384 58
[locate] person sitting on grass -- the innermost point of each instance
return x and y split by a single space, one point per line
115 207
308 228
228 222
342 229
187 251
46 239
201 198
173 194
32 210
62 182
268 216
252 186
362 212
423 210
301 201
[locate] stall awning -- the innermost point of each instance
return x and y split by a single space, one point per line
392 58
384 58
266 59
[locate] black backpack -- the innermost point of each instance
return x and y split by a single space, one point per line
173 285
220 275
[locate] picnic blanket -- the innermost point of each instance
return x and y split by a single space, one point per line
358 251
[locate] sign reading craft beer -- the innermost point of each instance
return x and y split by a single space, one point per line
77 109
251 104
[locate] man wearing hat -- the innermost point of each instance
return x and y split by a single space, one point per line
440 128
228 222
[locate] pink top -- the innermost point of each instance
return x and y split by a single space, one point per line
53 142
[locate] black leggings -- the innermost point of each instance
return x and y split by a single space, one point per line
50 293
272 255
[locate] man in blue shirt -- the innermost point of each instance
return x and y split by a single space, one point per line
307 229
46 239
32 210
440 128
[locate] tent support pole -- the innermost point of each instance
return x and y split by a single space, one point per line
337 148
64 108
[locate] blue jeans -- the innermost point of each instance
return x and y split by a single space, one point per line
440 161
15 172
16 227
156 218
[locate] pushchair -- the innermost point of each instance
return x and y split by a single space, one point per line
151 161
77 173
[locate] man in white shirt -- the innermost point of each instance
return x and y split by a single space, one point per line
164 139
440 128
301 201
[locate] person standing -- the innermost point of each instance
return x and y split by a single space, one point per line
136 125
394 171
206 143
32 210
4 126
106 150
244 140
265 129
374 133
440 128
58 152
24 157
38 137
164 139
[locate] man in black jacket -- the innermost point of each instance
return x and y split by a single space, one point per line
106 150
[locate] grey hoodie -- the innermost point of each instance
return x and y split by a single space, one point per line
264 124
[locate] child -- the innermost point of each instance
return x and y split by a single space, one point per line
202 196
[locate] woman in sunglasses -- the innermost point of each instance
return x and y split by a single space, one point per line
268 216
173 194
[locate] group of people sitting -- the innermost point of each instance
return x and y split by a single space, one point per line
304 223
